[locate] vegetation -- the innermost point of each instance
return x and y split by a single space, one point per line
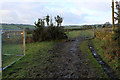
12 45
117 31
34 64
10 51
117 18
47 20
17 26
39 57
59 20
107 48
87 53
91 60
52 32
116 36
82 33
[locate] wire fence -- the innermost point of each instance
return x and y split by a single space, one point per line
13 47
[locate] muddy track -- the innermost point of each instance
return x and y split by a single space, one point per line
70 63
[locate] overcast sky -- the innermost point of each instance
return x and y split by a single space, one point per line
73 11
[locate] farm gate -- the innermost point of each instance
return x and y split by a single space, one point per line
12 47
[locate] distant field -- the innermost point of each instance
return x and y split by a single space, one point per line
17 27
31 27
69 27
81 33
9 27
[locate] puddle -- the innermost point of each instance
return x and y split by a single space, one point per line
74 46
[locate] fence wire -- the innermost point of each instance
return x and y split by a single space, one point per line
12 46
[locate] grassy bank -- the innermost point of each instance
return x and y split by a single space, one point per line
107 48
94 65
34 64
110 59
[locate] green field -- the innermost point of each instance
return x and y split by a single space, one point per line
82 33
16 26
9 27
69 27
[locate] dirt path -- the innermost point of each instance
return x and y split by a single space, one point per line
70 63
70 60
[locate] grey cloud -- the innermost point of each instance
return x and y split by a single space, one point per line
73 12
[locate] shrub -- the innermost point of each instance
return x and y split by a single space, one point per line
42 33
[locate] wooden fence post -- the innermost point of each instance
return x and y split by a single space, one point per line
113 22
23 42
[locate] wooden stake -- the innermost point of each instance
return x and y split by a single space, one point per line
23 42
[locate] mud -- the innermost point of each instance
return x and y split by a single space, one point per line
70 63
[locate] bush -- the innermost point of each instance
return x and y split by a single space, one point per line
57 33
51 32
29 39
29 31
39 34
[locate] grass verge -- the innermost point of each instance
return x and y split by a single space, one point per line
91 60
34 64
114 62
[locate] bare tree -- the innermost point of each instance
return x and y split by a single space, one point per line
47 20
59 20
39 23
